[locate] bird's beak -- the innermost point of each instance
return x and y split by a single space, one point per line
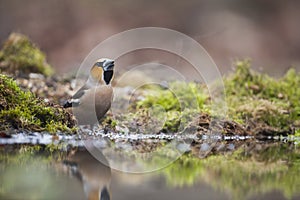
108 65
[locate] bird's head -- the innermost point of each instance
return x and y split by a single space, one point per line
106 64
102 71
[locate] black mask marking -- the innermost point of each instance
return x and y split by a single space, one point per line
104 194
108 76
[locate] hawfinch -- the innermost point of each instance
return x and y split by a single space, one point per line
91 102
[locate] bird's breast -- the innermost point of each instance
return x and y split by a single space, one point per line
103 99
94 104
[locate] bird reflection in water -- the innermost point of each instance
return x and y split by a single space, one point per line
93 174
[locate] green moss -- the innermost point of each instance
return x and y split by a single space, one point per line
259 98
178 97
252 98
177 104
20 109
297 133
263 104
20 56
267 112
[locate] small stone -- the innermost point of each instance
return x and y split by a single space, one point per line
36 76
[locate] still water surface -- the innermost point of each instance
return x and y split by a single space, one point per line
269 170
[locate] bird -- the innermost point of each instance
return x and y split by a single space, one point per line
92 101
92 172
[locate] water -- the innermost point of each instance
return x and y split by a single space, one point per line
41 166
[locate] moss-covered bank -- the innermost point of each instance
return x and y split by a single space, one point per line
257 105
22 110
260 101
19 57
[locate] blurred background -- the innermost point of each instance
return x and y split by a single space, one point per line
267 31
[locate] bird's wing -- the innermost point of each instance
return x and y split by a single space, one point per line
75 101
80 92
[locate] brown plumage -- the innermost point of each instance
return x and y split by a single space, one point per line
92 101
